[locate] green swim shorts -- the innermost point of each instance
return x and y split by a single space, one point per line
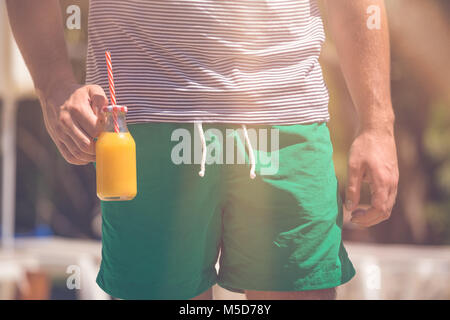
280 231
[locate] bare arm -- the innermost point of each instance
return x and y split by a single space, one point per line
365 63
38 29
69 109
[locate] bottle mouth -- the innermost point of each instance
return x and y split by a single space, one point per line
116 108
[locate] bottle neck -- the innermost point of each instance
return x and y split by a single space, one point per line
116 118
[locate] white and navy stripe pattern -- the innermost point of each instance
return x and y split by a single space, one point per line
228 61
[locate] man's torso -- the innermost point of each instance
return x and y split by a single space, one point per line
212 61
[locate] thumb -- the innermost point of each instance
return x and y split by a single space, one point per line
353 190
97 97
98 100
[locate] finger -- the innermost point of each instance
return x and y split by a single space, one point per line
87 121
81 138
84 142
352 193
97 98
86 110
376 213
392 198
367 218
76 152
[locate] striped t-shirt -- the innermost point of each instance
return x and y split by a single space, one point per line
228 61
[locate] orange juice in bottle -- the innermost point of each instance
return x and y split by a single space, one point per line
116 158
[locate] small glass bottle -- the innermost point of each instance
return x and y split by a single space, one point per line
116 158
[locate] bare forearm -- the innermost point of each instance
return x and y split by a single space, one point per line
38 29
365 60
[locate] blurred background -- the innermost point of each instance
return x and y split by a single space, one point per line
57 214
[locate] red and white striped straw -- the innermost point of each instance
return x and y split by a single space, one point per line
112 91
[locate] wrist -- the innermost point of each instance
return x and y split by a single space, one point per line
379 128
56 82
380 122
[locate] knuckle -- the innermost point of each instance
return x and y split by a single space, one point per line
71 108
64 118
351 189
384 178
79 90
97 87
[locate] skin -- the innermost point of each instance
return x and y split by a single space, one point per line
207 295
71 112
365 62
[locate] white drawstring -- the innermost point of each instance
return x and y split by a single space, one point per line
251 155
199 127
